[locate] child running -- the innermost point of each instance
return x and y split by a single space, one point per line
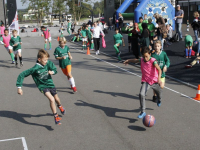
62 54
90 37
188 45
47 37
2 27
69 27
163 62
151 74
84 36
5 39
41 74
16 42
118 38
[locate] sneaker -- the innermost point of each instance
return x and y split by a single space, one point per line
57 120
189 56
159 103
188 66
13 62
16 64
62 109
186 57
45 49
49 48
96 52
91 49
141 115
74 89
154 98
21 63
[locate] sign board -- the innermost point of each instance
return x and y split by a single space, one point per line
14 25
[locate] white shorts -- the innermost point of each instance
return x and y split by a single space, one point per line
8 48
18 51
84 39
48 39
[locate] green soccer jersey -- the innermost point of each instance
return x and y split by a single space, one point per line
162 60
60 52
84 33
118 38
89 34
40 75
15 40
140 27
69 25
129 31
145 21
151 27
188 41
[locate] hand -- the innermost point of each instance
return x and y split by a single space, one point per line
159 82
21 43
64 57
126 62
165 69
4 45
51 72
19 91
70 57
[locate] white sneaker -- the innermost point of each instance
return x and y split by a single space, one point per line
98 52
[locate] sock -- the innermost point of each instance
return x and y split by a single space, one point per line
186 52
119 57
16 59
45 46
92 46
129 48
12 56
190 52
49 44
117 50
55 115
74 39
72 82
59 105
20 58
83 46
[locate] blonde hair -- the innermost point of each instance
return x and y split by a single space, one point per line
13 31
156 15
62 39
158 42
149 20
42 53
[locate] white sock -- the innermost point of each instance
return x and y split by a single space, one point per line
72 82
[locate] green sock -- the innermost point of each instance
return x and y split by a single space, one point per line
74 39
12 56
45 46
117 51
119 58
49 44
92 46
85 46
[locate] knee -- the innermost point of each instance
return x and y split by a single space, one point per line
141 95
52 100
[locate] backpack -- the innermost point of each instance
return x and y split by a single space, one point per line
175 38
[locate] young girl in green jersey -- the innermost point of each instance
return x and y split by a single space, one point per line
41 74
62 54
118 39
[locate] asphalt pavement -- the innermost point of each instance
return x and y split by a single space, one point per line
101 115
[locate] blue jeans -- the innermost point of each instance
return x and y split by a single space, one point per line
178 29
186 52
196 35
109 27
160 38
198 47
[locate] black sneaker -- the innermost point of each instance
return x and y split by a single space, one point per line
16 64
21 63
155 99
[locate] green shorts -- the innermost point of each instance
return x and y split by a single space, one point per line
188 44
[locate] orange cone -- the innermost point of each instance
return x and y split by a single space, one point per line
88 51
198 94
58 38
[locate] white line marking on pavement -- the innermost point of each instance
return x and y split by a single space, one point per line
20 138
136 74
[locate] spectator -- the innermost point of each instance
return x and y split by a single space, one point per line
145 36
169 35
109 24
140 24
161 28
105 28
151 28
145 19
195 25
135 35
121 21
179 14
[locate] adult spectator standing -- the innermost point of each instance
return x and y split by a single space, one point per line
109 24
96 37
179 14
161 28
121 22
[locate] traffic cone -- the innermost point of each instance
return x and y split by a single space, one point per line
198 94
58 38
88 51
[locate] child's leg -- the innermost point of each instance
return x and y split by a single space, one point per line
158 92
83 44
52 102
162 83
144 88
50 43
116 48
92 44
20 56
186 52
45 44
11 54
74 38
190 51
67 72
16 58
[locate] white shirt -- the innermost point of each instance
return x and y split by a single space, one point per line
97 31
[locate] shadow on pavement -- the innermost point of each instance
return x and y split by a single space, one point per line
136 128
20 117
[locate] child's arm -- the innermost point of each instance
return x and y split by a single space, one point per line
159 71
167 63
132 60
70 56
20 79
52 68
20 41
